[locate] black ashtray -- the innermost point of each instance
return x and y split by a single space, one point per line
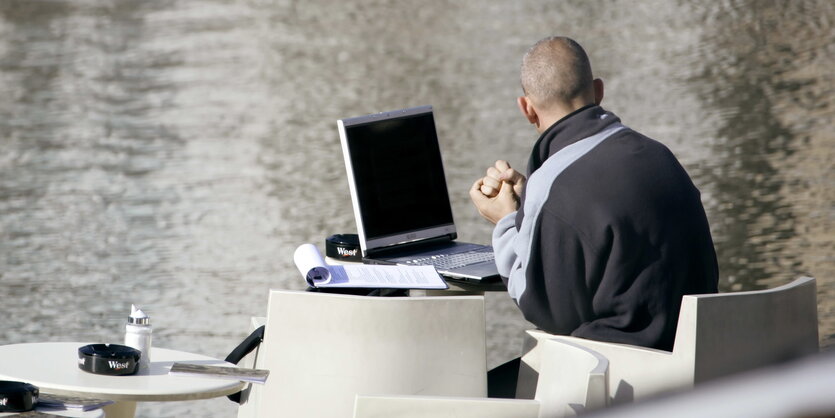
17 396
344 247
108 359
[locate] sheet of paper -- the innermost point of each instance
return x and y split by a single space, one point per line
319 274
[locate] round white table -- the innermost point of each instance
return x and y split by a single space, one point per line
53 368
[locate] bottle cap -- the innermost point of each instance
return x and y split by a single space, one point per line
137 317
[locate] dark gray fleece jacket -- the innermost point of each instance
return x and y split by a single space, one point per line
611 233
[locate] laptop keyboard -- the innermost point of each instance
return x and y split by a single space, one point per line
452 261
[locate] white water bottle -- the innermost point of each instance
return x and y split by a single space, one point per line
138 335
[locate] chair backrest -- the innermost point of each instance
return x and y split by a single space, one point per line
726 333
572 379
324 349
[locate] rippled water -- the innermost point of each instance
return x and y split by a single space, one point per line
173 153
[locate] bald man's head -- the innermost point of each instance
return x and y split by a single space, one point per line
556 72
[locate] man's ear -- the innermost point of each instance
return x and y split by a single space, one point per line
598 90
527 109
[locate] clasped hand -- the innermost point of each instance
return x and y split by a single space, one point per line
497 194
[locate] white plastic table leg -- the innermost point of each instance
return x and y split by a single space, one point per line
121 409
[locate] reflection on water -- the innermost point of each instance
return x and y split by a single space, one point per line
174 153
766 85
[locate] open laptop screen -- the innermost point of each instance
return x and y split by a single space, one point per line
398 175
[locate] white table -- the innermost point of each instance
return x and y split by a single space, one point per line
53 368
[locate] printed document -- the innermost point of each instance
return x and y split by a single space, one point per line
320 274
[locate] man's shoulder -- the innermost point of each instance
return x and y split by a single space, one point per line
630 138
626 153
622 174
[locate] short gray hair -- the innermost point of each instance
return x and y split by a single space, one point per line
555 70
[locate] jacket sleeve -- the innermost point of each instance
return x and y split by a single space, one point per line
544 271
509 262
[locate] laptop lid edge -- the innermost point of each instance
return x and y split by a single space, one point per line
343 139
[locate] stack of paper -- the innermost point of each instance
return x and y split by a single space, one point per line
220 372
50 402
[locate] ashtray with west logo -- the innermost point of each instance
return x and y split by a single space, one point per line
108 359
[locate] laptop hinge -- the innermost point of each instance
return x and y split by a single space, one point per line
410 246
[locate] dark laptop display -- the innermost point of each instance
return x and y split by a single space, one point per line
398 176
399 194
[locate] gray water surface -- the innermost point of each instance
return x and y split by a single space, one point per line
174 153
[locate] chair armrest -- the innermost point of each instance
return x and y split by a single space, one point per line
634 372
403 406
251 394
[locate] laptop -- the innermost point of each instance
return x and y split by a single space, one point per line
400 198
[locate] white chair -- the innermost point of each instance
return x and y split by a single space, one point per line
324 349
717 335
801 388
573 380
